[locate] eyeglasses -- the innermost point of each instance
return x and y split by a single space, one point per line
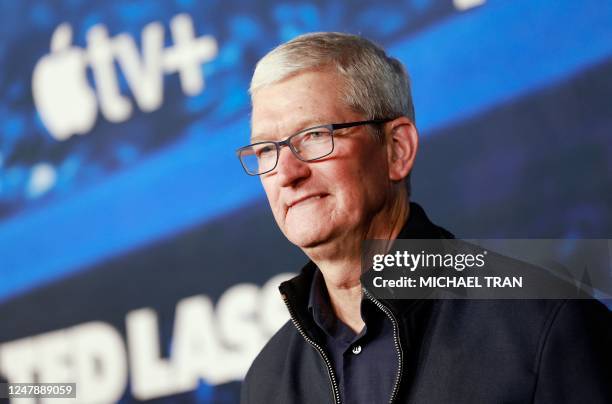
307 145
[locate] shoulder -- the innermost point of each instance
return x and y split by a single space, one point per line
565 327
574 361
524 328
267 366
521 315
545 317
529 314
275 355
578 325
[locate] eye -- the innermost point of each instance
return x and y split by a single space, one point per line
265 151
314 136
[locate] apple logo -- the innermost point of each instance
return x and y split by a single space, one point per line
64 100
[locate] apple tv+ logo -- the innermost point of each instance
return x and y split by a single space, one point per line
68 105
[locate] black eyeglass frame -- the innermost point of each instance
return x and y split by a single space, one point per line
287 142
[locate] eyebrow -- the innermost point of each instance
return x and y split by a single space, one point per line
304 124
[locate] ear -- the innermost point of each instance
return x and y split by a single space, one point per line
402 144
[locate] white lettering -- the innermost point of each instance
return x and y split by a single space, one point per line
215 346
90 354
67 104
152 376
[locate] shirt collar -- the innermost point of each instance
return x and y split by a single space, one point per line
323 314
319 304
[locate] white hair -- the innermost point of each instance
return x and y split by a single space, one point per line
375 84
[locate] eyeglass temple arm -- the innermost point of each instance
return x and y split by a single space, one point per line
351 124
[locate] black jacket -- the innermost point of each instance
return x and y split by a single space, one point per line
450 351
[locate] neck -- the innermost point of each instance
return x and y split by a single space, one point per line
342 268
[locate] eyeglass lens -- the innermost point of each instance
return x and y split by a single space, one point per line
310 145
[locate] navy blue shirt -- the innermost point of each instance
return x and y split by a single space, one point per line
365 364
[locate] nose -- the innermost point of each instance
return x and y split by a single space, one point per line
291 170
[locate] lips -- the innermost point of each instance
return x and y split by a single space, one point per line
297 201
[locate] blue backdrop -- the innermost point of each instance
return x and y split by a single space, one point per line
135 254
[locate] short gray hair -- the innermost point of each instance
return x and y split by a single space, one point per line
375 84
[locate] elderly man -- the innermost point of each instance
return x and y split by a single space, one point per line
334 142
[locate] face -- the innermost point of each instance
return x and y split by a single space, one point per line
332 199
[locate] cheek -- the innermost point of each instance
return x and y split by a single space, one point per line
350 191
272 194
369 185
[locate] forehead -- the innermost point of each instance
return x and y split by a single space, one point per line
307 99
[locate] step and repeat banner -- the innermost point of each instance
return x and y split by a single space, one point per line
137 259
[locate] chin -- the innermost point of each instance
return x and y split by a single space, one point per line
306 239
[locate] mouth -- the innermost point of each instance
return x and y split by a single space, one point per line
308 198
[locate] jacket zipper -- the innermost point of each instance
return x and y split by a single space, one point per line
330 370
398 347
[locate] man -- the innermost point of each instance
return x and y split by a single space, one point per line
334 142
